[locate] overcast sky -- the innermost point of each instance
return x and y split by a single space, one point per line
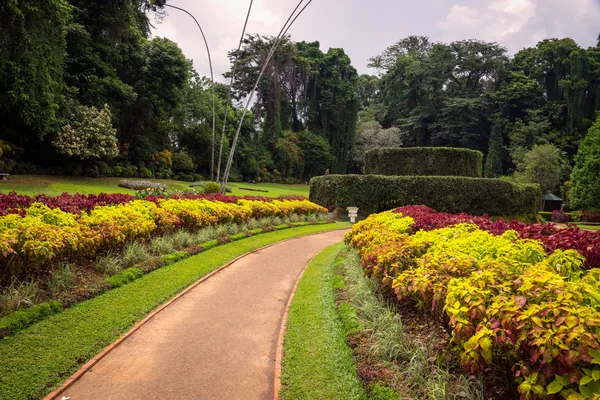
364 28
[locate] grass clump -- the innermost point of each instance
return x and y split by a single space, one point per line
134 253
161 245
108 264
182 239
19 295
63 279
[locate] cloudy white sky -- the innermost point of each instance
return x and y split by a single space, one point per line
364 28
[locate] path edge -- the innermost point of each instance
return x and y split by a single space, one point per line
91 363
283 328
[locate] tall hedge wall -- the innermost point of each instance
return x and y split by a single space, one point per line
423 161
376 193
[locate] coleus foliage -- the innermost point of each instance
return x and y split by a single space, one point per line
42 237
585 242
504 298
13 203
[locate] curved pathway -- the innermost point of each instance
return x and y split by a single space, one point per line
218 341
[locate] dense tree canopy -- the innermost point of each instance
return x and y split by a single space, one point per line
311 114
472 94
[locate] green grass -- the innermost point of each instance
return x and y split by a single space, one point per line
56 185
274 189
36 360
317 362
590 227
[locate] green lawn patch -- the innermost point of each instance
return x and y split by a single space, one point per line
272 189
317 362
36 360
56 185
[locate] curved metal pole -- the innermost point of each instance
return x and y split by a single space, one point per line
282 33
229 92
212 79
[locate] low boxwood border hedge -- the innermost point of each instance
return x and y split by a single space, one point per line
377 193
423 161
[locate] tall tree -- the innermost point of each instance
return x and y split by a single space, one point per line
439 94
586 174
33 48
302 89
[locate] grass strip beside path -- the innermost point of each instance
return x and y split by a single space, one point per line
37 359
317 362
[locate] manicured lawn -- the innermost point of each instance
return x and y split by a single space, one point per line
56 185
39 358
274 189
317 362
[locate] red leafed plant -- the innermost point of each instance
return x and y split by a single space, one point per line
560 216
590 216
585 242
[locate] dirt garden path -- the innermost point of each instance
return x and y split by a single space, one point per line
218 341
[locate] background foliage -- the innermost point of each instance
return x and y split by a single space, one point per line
312 113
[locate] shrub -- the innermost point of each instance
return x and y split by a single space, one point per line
130 171
375 193
116 171
140 150
88 135
560 217
423 161
185 177
182 162
212 187
103 168
182 239
18 296
145 173
91 171
163 159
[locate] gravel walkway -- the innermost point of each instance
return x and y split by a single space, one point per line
218 341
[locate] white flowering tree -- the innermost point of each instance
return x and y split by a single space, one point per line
89 135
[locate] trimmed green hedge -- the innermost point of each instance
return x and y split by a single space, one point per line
423 161
376 193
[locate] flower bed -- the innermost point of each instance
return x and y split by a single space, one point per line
507 299
39 238
13 203
585 242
